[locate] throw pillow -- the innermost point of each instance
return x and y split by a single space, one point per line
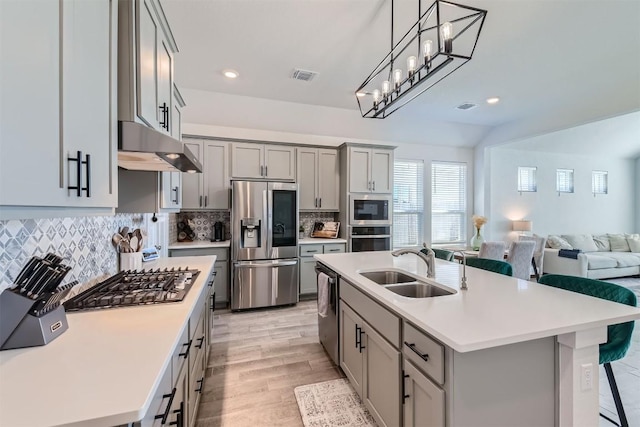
602 242
618 243
557 242
584 242
634 242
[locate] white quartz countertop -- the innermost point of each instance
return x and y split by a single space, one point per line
314 240
495 310
102 371
200 244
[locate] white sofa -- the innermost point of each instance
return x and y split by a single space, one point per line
603 256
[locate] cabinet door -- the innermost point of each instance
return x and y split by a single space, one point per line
424 404
247 160
178 414
192 183
382 171
307 177
148 33
328 179
222 282
280 162
351 360
216 175
381 383
165 87
359 170
308 283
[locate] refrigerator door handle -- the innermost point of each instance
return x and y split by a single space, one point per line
265 264
268 214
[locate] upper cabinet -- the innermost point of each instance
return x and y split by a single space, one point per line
370 169
62 72
172 181
318 178
146 48
210 189
263 161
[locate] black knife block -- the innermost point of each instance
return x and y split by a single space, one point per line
19 328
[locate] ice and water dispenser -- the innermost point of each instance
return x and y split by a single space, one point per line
250 233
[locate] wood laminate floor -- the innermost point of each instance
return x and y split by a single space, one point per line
257 358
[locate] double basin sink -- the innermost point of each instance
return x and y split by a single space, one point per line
406 285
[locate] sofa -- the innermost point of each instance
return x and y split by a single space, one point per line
601 256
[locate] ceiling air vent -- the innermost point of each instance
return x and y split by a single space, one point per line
304 75
466 106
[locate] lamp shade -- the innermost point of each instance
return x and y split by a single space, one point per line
522 225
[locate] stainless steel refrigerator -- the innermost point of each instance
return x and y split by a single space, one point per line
264 245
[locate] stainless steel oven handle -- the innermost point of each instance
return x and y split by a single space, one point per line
265 264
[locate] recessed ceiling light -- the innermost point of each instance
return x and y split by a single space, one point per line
361 94
493 100
230 74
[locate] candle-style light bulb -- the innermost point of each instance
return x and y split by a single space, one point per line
397 78
412 64
427 51
447 36
376 98
386 88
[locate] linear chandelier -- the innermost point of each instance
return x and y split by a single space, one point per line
442 40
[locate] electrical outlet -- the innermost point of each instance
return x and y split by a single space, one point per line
586 376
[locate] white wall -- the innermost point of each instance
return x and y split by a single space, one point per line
637 181
578 212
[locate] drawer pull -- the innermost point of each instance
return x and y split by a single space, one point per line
165 415
179 416
334 250
357 336
201 340
200 381
186 353
404 395
412 346
315 250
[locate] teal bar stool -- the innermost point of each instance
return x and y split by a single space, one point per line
441 254
618 336
493 265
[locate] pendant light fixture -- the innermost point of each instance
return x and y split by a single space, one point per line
443 38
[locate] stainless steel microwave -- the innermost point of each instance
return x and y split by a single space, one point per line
370 209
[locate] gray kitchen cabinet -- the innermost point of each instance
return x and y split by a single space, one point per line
318 178
146 47
63 71
308 282
370 170
351 360
210 189
171 182
423 400
221 269
263 161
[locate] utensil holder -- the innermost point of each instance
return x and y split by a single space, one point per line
130 261
19 328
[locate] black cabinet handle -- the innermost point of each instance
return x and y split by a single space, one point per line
206 201
404 395
357 336
200 382
179 421
186 353
165 415
308 251
319 202
361 346
201 340
164 123
412 346
79 162
200 201
265 171
213 302
87 163
261 170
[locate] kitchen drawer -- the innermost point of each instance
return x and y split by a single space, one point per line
160 401
180 354
381 319
310 250
334 248
424 352
221 253
198 341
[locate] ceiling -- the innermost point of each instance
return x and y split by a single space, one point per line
554 64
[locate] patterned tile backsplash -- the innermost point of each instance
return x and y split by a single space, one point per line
84 243
308 218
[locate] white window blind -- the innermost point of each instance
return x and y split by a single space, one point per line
408 203
599 182
448 202
564 180
527 179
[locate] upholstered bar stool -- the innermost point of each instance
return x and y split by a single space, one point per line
492 265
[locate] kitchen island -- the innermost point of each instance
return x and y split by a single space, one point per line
505 349
106 369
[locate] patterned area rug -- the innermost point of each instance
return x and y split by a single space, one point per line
332 404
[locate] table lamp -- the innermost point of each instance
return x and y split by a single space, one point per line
522 226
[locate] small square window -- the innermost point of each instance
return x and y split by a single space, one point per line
564 181
599 182
527 179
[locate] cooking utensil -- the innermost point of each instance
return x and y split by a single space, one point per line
133 243
124 231
116 239
138 234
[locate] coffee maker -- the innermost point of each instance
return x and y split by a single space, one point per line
218 232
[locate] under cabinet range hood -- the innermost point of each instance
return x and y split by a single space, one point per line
145 149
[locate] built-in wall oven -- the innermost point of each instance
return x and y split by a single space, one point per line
372 238
370 209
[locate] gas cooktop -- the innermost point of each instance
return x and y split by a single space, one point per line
130 288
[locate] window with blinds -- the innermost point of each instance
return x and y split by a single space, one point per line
599 182
448 202
564 180
527 179
408 203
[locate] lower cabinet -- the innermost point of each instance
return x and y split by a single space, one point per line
221 268
308 283
423 400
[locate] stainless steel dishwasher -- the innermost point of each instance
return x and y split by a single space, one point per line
329 326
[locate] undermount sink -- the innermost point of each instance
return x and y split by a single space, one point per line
406 285
387 277
418 290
